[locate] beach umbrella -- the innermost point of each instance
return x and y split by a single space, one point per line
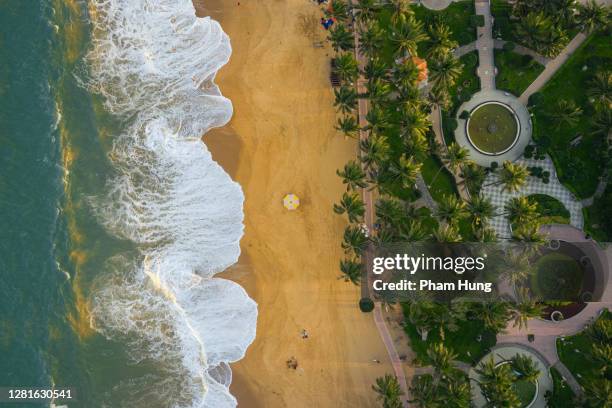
291 202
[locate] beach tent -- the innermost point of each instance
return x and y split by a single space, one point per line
291 202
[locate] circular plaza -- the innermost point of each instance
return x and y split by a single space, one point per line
494 126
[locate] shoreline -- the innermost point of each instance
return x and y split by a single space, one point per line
281 139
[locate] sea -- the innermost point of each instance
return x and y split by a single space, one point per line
114 219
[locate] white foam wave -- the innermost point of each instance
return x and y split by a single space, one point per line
154 63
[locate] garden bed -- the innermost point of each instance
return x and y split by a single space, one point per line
515 72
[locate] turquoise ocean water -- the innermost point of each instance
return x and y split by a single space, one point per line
114 218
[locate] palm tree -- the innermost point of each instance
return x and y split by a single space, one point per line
416 145
440 98
352 205
366 10
525 308
441 358
516 269
354 240
456 392
600 90
593 16
451 209
388 211
600 331
512 176
407 35
444 70
338 9
493 313
456 157
401 10
496 383
348 125
341 38
375 69
446 233
565 113
413 230
423 391
529 232
378 91
346 67
346 99
473 176
520 210
602 355
414 121
599 392
389 391
353 176
374 150
481 209
377 119
532 29
440 40
405 73
525 368
405 171
351 270
485 235
371 38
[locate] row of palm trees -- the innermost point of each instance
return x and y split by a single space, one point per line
544 25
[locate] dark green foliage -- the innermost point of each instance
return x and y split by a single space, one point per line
366 305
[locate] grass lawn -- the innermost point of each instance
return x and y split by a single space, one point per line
597 217
525 390
515 72
562 396
462 342
552 211
443 183
557 277
456 16
502 26
580 166
574 352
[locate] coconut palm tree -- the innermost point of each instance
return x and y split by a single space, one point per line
496 383
456 157
346 99
440 40
405 171
346 67
481 210
446 233
375 69
602 124
553 41
485 235
532 29
525 368
353 176
412 230
416 145
520 210
352 205
473 176
565 113
529 232
512 176
388 211
348 125
598 393
404 73
401 10
600 90
414 122
374 150
407 35
441 358
338 9
378 91
424 393
354 240
451 209
562 11
525 308
593 16
371 38
351 270
600 331
440 98
493 313
516 269
456 392
389 391
602 356
444 69
341 38
378 119
365 10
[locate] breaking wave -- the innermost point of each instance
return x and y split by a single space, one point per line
154 63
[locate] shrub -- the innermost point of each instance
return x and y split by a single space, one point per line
509 46
535 99
528 153
366 305
526 59
464 115
494 166
470 60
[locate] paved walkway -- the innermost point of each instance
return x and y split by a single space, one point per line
505 352
552 67
435 4
533 186
519 49
464 49
485 46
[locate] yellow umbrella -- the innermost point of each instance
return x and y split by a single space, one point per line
291 202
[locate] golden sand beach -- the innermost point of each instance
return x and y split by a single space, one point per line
281 139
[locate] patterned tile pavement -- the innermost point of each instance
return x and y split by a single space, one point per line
533 186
